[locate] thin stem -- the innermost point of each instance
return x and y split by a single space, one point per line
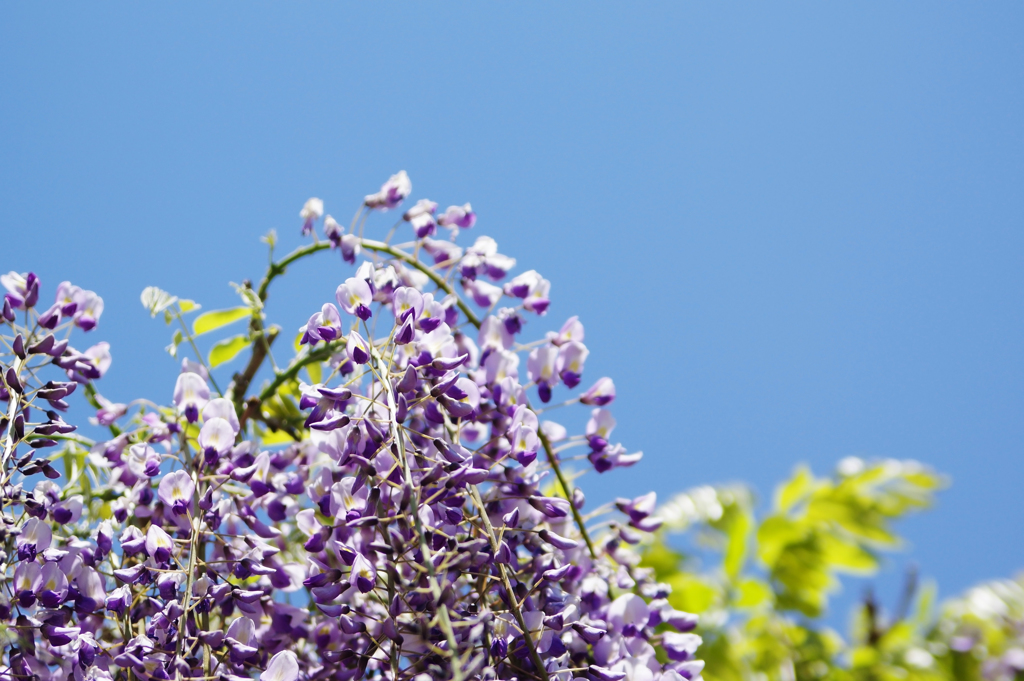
281 266
317 355
14 398
408 259
567 488
278 268
507 583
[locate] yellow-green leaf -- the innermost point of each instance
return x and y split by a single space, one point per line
751 593
276 437
315 371
227 349
691 594
847 556
794 490
214 319
663 559
736 522
775 534
186 305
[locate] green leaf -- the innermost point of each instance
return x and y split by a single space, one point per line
898 636
315 371
847 556
751 593
663 559
691 594
188 305
214 319
227 349
248 296
795 489
275 437
156 300
924 609
774 535
737 531
172 349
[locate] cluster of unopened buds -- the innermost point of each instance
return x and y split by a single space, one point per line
422 522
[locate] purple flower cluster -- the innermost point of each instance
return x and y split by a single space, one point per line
420 525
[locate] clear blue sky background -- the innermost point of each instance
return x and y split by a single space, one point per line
793 230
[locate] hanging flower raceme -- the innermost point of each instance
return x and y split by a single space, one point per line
406 515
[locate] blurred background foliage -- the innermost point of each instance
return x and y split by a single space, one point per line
762 583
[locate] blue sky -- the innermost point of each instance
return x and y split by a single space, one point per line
793 230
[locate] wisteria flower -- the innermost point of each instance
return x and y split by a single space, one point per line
494 335
283 666
195 367
391 193
53 588
364 577
483 294
221 407
34 538
28 583
67 298
571 358
599 428
190 395
324 325
22 289
176 491
159 544
680 646
458 216
90 307
216 438
613 456
445 253
143 460
355 297
109 412
407 301
119 600
357 348
91 364
421 217
600 394
422 207
332 230
542 367
310 213
572 330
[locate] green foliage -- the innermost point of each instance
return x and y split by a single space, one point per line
215 319
762 600
822 527
227 349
